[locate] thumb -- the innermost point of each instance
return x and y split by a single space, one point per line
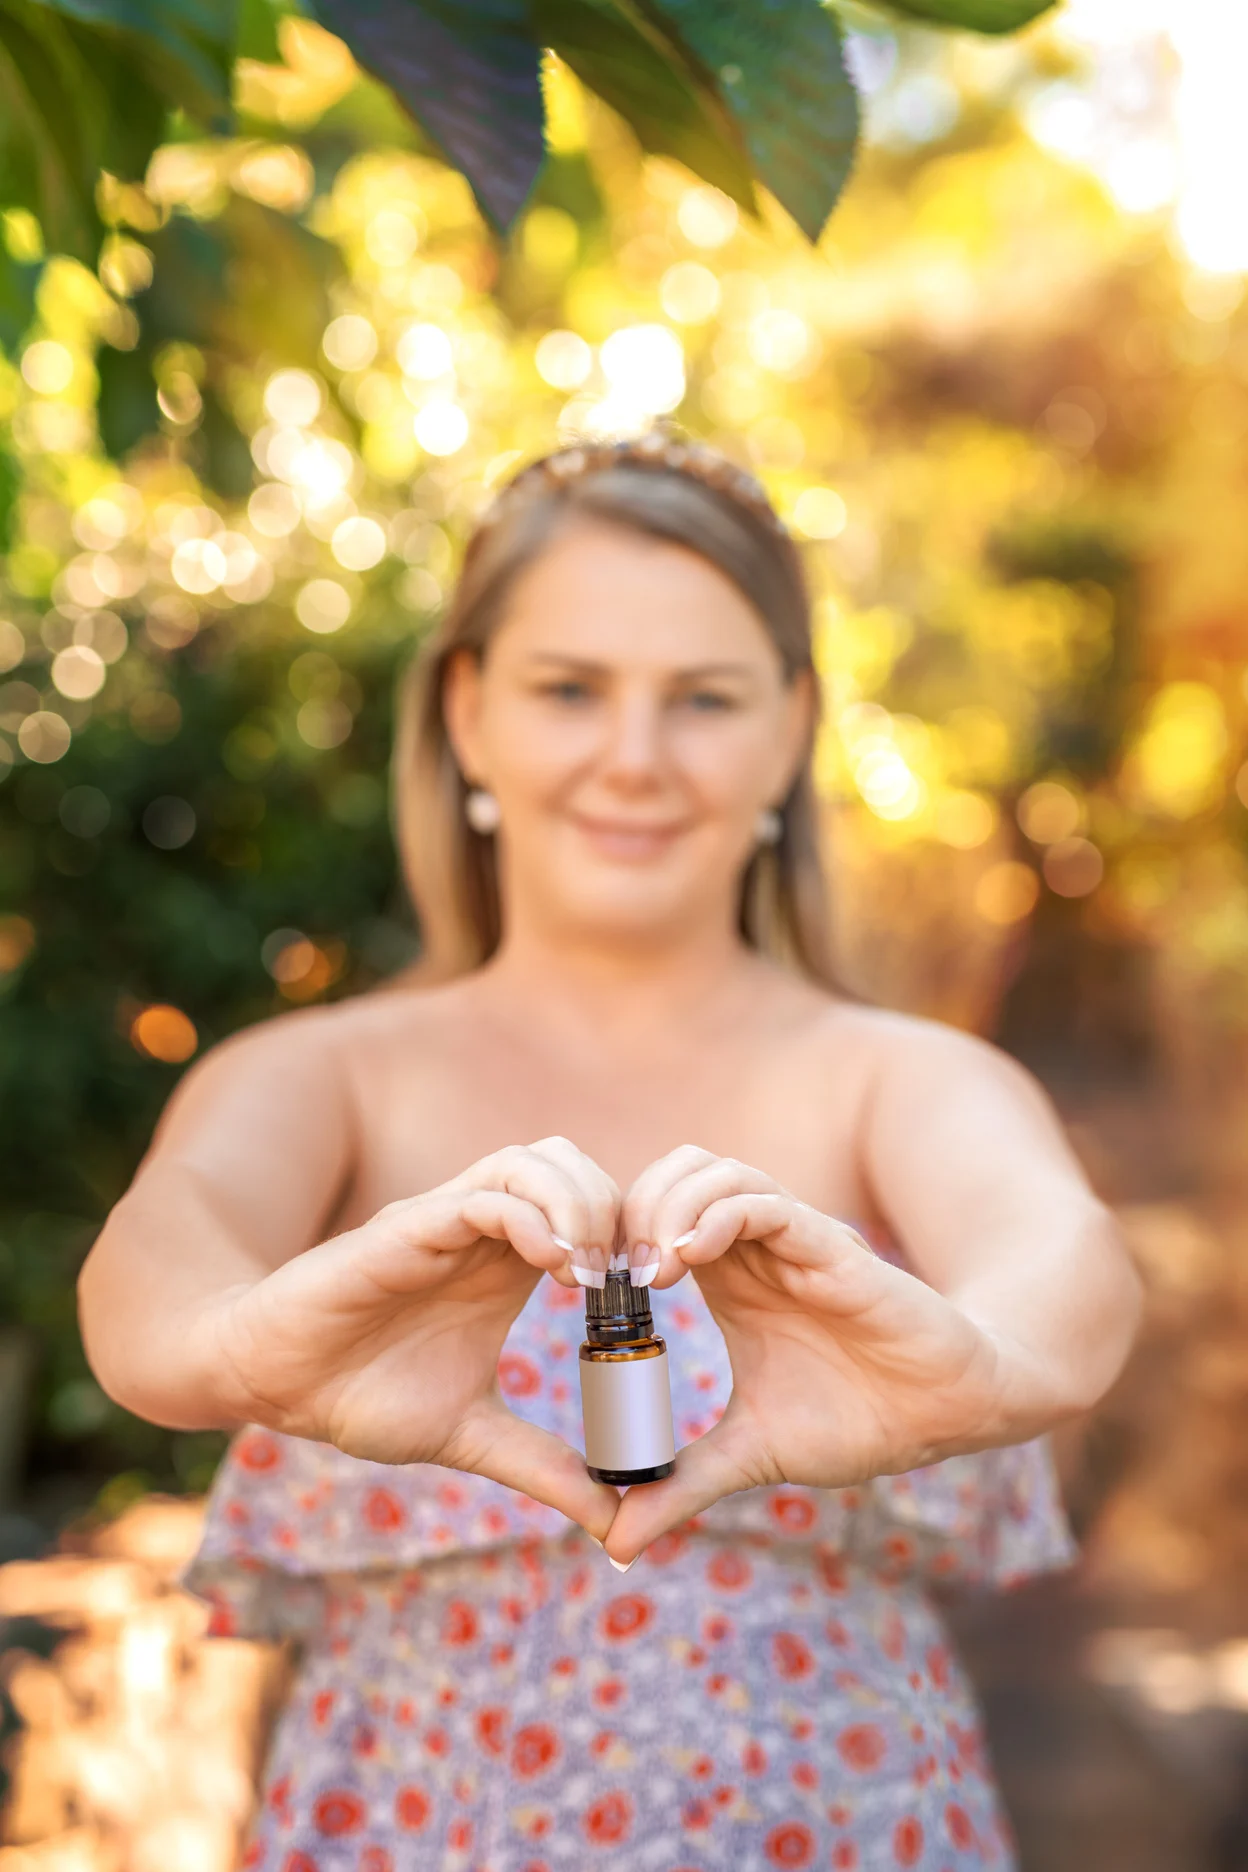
491 1441
728 1458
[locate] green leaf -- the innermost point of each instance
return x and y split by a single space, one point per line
87 85
985 16
661 94
183 47
780 69
10 489
468 71
53 124
18 281
256 37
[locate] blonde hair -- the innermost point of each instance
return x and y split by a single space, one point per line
665 490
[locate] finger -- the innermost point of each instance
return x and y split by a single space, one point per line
411 1242
686 1202
726 1459
492 1442
637 1216
801 1239
600 1192
521 1172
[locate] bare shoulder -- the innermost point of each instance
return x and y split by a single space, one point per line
893 1050
309 1059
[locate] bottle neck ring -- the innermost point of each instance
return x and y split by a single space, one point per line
618 1313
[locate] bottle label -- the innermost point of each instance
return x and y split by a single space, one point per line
627 1405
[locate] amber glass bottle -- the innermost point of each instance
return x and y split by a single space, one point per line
626 1396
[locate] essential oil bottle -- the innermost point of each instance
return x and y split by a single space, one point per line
626 1395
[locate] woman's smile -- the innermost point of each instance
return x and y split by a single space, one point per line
627 841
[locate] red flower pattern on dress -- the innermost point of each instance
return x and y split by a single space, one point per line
534 1749
792 1656
492 1728
383 1511
460 1626
938 1666
526 1667
338 1811
729 1570
960 1826
908 1841
518 1376
796 1514
861 1747
626 1617
412 1808
258 1451
609 1820
790 1845
666 1548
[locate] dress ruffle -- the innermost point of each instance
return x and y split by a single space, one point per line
285 1513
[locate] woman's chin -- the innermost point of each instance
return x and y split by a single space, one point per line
628 904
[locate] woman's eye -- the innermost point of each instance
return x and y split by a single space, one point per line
708 701
568 691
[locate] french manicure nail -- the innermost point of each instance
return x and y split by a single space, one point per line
622 1566
618 1263
683 1241
560 1243
642 1276
590 1277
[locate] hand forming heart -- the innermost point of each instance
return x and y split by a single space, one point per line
384 1341
843 1366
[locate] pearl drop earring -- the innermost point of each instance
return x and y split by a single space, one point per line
481 811
769 826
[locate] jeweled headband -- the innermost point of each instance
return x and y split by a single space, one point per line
656 449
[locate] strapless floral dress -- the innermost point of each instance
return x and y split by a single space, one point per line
480 1691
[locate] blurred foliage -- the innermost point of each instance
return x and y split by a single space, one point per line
240 451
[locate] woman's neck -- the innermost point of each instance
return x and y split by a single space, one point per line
620 988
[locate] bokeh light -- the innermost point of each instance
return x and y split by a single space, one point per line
164 1033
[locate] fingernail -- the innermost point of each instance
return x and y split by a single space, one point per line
560 1243
683 1241
589 1277
618 1263
622 1566
643 1272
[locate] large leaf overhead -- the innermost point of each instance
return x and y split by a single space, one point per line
780 68
183 46
738 90
671 105
87 85
468 71
985 16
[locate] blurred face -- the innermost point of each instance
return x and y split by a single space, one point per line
632 718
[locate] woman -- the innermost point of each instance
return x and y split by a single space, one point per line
339 1239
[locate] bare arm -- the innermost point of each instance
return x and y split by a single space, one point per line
245 1170
846 1367
214 1298
969 1165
